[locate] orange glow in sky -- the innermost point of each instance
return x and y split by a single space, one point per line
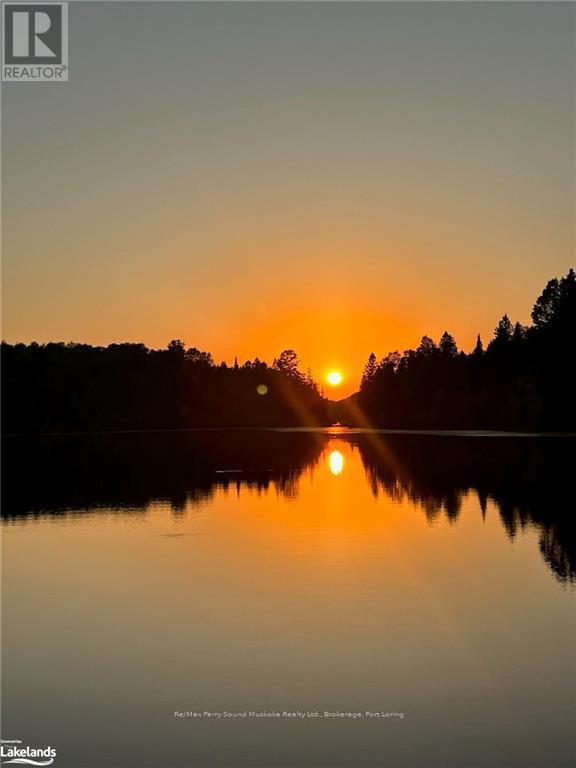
376 187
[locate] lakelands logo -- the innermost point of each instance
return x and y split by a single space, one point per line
13 754
34 42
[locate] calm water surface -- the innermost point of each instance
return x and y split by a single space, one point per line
430 577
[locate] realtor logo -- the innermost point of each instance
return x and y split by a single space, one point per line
35 42
13 753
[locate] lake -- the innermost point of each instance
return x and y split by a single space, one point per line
290 599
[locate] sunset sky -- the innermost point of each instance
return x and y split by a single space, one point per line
338 178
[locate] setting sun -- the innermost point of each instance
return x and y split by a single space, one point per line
334 378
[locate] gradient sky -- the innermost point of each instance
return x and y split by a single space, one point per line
339 178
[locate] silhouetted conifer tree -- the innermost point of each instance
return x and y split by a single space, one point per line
447 346
427 347
503 331
369 371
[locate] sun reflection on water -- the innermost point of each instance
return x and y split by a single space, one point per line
336 462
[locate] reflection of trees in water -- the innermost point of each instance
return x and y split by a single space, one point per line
400 490
551 515
529 481
128 472
560 560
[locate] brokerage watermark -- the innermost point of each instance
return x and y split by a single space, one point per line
296 715
34 42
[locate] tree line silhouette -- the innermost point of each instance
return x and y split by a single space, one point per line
60 387
524 379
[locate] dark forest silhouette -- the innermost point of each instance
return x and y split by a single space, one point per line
61 387
524 380
527 481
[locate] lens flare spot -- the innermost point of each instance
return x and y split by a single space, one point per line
336 462
262 389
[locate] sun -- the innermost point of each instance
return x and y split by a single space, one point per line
334 378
